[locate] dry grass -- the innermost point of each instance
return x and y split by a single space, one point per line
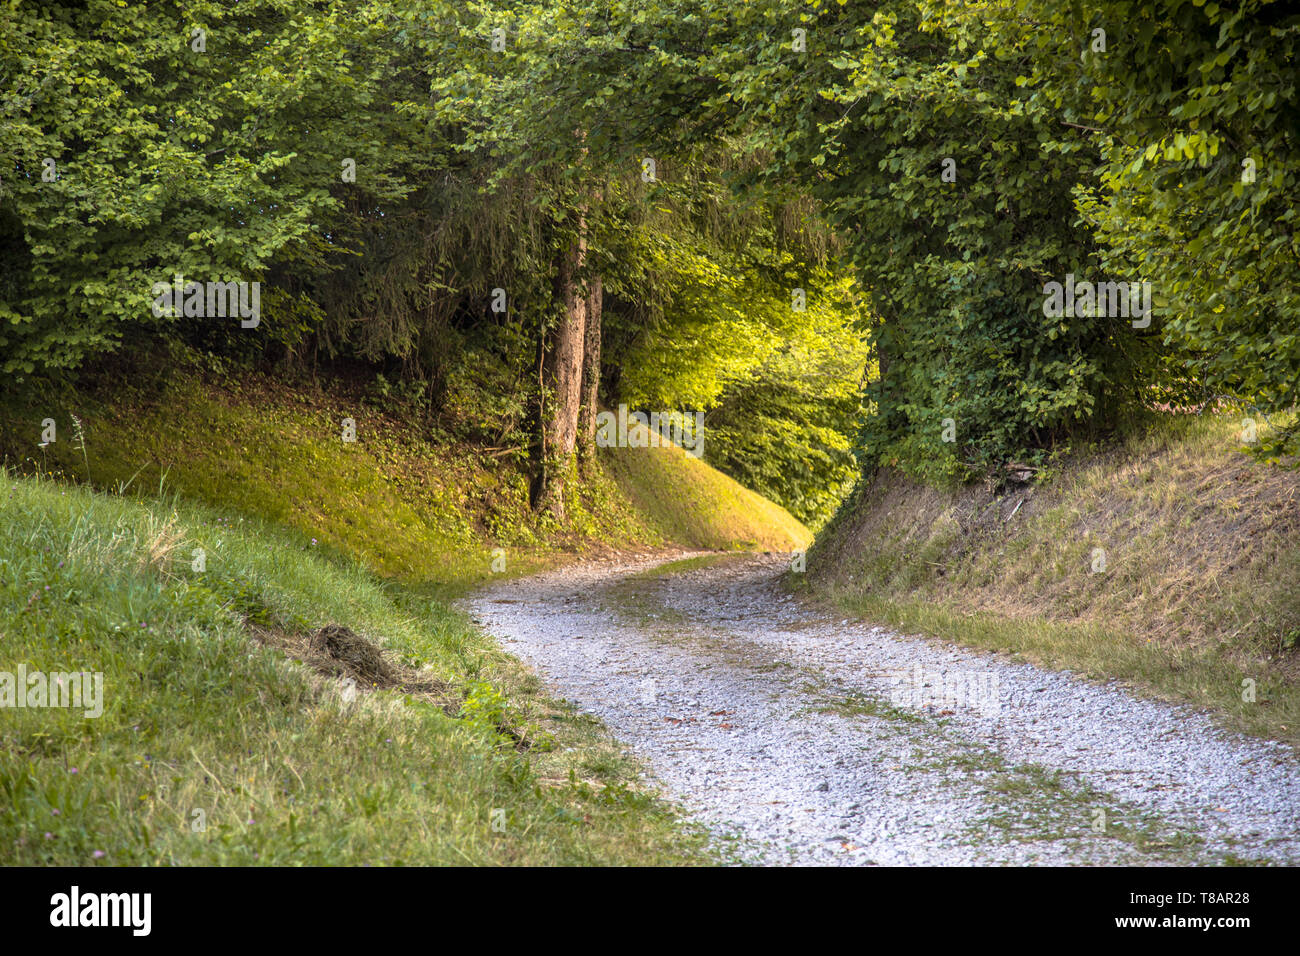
159 539
1176 542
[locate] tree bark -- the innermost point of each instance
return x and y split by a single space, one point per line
590 373
562 382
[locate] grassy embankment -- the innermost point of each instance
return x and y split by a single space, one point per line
407 501
240 725
1170 561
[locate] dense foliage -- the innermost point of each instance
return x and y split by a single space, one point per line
971 154
759 191
1196 116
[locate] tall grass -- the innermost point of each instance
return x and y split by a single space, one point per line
214 750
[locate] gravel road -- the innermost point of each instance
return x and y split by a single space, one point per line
807 739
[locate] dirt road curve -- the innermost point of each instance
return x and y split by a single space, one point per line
799 738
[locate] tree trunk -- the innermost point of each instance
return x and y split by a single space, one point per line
590 374
562 383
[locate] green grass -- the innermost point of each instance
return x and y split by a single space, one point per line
202 725
696 506
404 503
407 501
217 707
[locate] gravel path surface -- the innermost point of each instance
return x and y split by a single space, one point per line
801 738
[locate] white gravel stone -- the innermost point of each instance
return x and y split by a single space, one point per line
726 694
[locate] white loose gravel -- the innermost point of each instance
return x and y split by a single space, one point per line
726 687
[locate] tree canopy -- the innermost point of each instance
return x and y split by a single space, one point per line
830 226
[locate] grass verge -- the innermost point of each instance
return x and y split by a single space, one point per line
1169 561
213 748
